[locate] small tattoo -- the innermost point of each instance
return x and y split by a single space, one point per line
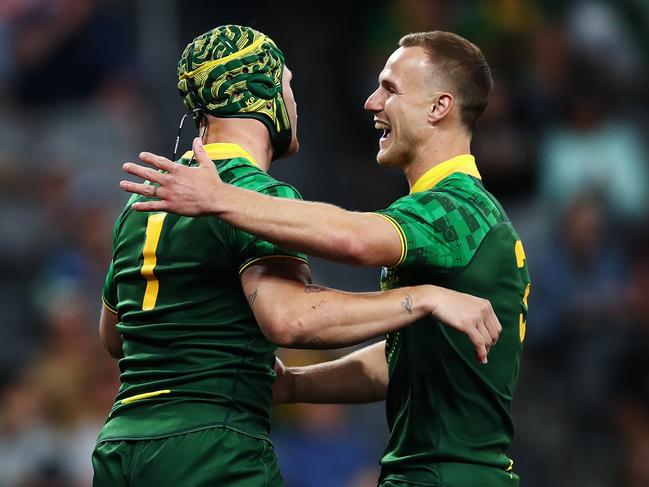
252 297
312 288
407 304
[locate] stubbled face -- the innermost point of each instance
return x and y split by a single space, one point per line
291 108
401 105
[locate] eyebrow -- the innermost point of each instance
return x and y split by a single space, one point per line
386 83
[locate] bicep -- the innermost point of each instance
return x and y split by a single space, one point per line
381 240
272 287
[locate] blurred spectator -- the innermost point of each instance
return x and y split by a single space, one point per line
631 414
593 151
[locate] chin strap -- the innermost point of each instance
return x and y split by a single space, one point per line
197 114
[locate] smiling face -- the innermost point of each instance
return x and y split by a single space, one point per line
401 106
291 109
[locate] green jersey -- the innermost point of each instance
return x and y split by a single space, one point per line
442 405
194 356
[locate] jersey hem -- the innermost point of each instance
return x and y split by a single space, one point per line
179 433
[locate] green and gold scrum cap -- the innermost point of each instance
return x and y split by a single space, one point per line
236 71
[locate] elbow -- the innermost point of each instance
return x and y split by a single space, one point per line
352 247
283 332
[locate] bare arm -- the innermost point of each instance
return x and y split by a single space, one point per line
318 229
108 333
293 313
359 377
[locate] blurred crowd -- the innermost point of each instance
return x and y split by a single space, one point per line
86 84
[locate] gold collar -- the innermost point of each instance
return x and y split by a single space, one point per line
223 151
464 163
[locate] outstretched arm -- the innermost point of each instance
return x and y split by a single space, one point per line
359 377
318 229
293 313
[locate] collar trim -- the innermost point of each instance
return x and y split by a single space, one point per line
464 163
223 151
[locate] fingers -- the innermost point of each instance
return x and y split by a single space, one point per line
157 161
150 206
147 190
479 344
144 172
491 322
199 153
484 333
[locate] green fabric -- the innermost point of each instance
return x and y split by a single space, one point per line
442 405
214 456
247 85
463 475
200 340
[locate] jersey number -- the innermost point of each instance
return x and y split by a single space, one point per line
520 263
153 231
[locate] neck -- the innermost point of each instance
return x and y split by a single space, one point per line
250 134
442 147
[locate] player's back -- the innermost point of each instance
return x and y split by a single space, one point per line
446 411
193 354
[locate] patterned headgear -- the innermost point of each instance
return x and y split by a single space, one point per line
236 71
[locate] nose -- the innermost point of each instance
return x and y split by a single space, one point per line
374 102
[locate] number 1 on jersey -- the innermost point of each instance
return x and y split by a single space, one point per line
153 231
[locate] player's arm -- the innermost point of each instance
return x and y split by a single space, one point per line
360 377
294 313
318 229
110 337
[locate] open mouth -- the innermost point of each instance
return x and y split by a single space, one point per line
384 127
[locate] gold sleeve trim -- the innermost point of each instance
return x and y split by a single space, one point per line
108 306
254 260
402 237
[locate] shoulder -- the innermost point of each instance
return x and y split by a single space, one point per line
457 198
244 174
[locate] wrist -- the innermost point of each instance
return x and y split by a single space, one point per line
218 205
429 299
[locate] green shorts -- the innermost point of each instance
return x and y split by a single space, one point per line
462 475
213 456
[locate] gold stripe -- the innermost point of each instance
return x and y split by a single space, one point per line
522 323
464 163
146 395
254 260
520 254
223 151
108 306
223 60
402 237
511 465
153 230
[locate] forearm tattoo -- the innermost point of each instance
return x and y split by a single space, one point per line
407 304
252 297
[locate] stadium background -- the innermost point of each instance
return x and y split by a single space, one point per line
86 84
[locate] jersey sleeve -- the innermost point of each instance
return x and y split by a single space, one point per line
251 249
435 229
109 296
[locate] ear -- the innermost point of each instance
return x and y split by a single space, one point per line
441 107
